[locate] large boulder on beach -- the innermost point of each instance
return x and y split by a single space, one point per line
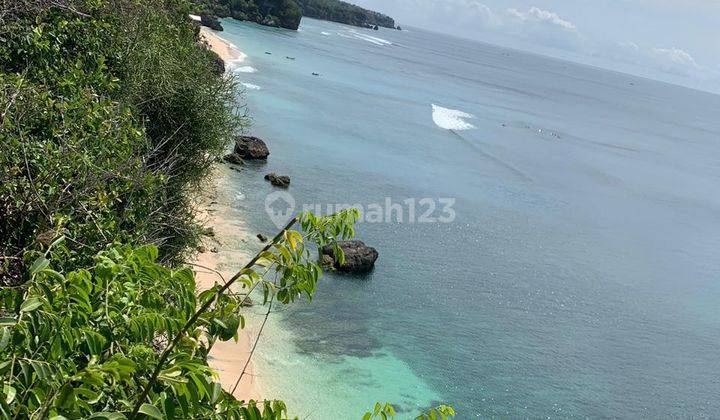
251 148
359 258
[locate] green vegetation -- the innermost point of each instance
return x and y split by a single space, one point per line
342 12
128 336
280 13
107 123
111 115
387 411
287 13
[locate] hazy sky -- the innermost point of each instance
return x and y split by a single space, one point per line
672 40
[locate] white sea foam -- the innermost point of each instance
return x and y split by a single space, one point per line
246 69
325 33
250 86
372 39
451 119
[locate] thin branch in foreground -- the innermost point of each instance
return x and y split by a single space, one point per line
166 353
252 351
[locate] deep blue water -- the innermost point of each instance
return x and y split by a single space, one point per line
581 274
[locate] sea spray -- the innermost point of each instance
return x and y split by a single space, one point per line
451 119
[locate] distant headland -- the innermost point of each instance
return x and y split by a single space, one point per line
288 13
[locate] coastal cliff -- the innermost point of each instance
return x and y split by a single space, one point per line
343 12
278 13
288 13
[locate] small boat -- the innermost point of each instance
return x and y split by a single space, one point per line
268 53
289 58
316 74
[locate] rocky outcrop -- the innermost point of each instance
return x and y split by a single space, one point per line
251 148
281 181
234 158
211 22
359 258
344 12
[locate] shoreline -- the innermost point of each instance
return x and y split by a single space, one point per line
222 254
225 49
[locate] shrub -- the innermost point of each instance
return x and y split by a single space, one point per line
111 115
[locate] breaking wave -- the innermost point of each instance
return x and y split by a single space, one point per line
246 69
372 39
451 119
250 86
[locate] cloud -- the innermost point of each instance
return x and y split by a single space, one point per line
671 60
464 13
552 32
544 26
537 15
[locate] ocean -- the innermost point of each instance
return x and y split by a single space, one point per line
559 249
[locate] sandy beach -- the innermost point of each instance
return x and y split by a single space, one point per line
226 50
222 254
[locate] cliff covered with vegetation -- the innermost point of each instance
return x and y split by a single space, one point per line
279 13
342 12
288 13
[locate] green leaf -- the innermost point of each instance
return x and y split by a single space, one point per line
66 398
4 338
152 411
39 264
57 242
31 304
7 322
107 416
10 393
52 273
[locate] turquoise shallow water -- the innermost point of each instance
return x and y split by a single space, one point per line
580 275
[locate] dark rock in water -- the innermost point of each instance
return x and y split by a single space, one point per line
359 258
234 158
399 28
278 180
327 261
262 237
316 74
251 148
211 22
376 28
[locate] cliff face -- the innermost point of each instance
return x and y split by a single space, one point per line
342 12
278 13
287 13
